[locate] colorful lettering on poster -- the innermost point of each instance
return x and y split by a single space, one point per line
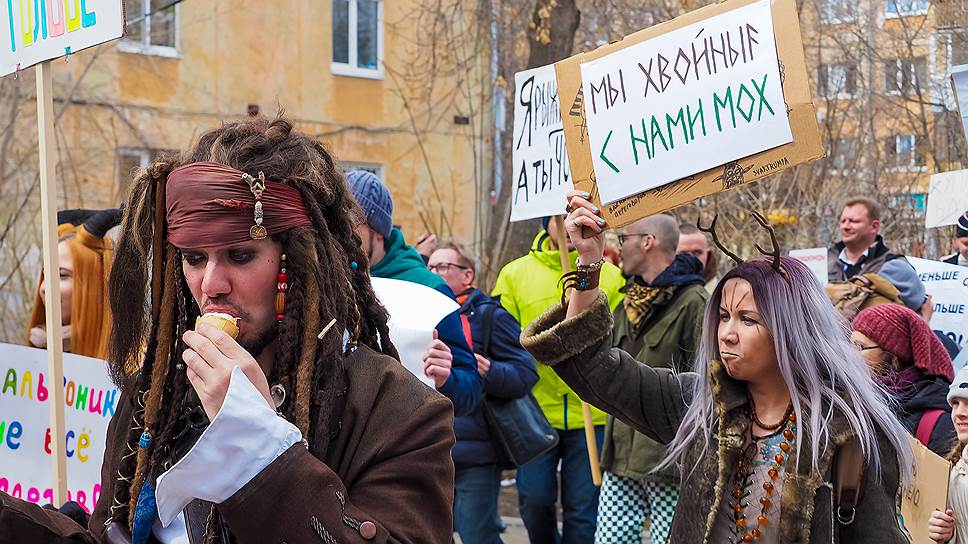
19 490
31 21
77 396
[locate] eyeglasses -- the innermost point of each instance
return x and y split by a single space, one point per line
444 267
623 237
862 347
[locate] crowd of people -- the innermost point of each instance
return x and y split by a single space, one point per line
758 406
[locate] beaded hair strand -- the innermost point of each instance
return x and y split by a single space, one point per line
163 354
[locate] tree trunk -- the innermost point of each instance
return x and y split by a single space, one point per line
551 37
561 19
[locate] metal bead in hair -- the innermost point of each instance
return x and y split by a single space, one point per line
281 287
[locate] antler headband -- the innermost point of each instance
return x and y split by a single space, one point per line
775 263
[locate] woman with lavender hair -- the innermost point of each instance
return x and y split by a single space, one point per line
762 430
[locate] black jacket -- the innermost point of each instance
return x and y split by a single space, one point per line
496 337
930 393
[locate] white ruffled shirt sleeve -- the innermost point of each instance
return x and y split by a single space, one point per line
245 437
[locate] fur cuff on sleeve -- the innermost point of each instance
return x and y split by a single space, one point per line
552 339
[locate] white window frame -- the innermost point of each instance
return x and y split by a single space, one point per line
374 167
904 13
913 166
910 63
828 11
847 150
828 85
144 47
949 36
350 68
143 156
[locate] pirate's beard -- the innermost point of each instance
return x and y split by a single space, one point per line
257 345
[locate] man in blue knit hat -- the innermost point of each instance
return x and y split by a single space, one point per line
454 370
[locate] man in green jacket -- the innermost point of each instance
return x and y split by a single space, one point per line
528 286
660 323
451 365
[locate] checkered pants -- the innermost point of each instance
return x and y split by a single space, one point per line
625 503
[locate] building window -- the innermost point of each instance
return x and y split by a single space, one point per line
837 11
358 38
129 160
843 154
897 8
151 27
374 168
901 152
904 201
906 76
956 44
837 80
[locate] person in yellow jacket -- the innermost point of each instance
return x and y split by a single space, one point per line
528 286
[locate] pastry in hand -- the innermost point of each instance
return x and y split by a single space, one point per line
223 322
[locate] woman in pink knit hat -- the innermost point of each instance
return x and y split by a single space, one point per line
907 359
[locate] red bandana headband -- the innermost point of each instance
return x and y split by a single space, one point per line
211 204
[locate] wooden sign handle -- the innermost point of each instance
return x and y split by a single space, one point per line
55 346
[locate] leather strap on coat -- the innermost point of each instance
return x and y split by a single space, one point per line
848 472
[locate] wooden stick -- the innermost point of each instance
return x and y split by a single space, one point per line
586 409
55 347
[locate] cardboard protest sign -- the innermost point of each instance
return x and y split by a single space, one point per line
947 198
38 31
25 435
710 39
816 260
948 286
415 310
928 491
684 101
542 176
959 83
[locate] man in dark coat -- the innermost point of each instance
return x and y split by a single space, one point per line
961 231
660 322
299 425
507 372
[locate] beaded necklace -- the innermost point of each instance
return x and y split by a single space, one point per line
743 529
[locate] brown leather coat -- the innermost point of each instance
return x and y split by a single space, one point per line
388 475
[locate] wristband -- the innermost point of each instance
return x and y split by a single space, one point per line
585 278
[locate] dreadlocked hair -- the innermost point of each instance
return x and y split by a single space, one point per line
132 344
323 287
159 370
